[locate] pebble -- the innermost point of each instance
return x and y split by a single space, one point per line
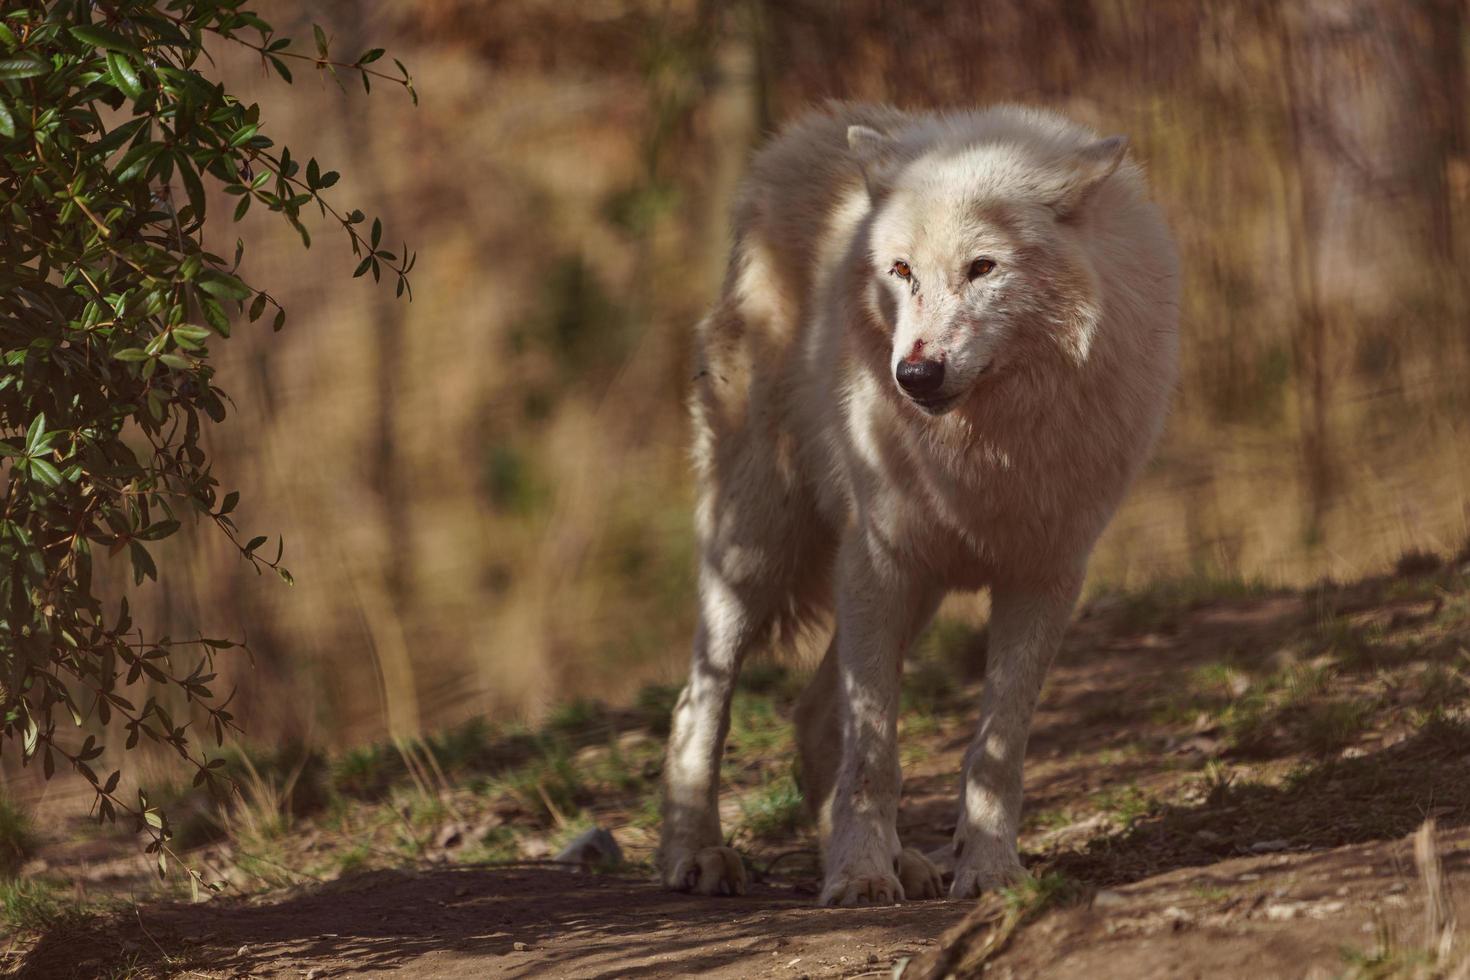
592 847
1267 846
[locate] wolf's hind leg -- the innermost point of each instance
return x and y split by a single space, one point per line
692 856
920 877
819 738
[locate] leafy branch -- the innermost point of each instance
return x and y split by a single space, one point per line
110 130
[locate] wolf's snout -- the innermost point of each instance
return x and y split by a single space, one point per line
920 378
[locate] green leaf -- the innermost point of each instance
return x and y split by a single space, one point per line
157 530
143 566
48 473
192 185
192 334
32 737
321 40
22 66
103 38
131 354
221 286
255 542
7 121
35 433
243 135
124 76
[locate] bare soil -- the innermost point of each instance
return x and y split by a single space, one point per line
1227 787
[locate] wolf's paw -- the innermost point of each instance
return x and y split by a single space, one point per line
707 871
871 889
972 881
920 877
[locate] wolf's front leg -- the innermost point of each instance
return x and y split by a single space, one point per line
1026 627
692 855
881 605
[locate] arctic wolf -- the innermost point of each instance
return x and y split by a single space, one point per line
944 347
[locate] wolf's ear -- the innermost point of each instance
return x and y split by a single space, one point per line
1092 165
873 151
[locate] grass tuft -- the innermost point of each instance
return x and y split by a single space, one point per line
28 907
17 837
774 811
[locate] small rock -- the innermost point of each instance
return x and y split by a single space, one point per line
1282 911
872 957
1107 899
1208 837
519 947
1267 846
451 835
592 848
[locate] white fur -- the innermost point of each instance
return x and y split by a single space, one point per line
824 487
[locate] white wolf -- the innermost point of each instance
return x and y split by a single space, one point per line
944 347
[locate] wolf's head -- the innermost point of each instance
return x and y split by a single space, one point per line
976 250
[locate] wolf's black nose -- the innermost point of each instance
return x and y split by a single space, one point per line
920 378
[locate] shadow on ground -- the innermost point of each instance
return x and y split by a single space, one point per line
481 922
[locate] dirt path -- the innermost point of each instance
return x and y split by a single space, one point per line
1224 788
464 923
1277 915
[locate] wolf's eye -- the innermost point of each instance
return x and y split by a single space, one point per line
981 267
901 269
